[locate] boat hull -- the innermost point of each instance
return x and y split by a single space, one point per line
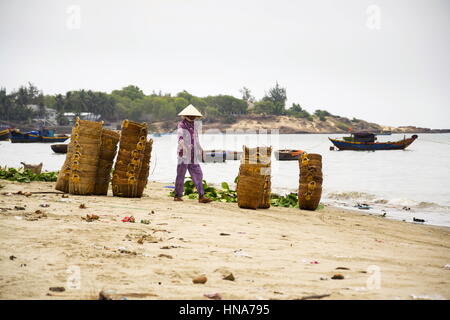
20 137
59 148
373 146
4 135
288 155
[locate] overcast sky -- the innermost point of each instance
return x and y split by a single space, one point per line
381 61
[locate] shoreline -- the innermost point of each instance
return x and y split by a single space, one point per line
183 240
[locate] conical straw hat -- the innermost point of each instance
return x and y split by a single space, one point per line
190 110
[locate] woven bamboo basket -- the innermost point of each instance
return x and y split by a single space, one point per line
310 163
254 169
256 163
125 187
130 159
62 183
131 128
265 199
312 156
145 168
249 191
257 152
310 182
310 187
108 152
84 161
309 177
308 201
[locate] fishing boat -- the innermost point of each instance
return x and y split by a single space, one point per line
365 141
4 134
214 156
44 135
59 148
285 155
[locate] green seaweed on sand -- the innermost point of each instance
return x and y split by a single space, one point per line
288 201
226 194
26 176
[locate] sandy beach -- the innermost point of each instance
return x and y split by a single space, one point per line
277 253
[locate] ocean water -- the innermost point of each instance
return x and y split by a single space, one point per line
406 184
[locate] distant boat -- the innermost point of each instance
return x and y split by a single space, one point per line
59 148
285 155
4 135
214 156
221 155
43 135
364 141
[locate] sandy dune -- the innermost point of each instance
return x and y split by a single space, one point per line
273 254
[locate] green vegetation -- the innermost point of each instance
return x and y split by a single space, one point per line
26 176
297 111
223 195
14 106
132 103
228 195
322 114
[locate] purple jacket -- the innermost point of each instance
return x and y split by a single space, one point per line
188 142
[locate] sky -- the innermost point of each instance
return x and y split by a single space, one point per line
382 61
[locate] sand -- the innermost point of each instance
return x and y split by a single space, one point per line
277 253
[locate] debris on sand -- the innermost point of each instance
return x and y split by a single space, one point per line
26 194
213 296
162 255
19 208
128 219
38 214
83 206
342 268
57 289
90 217
12 257
338 276
418 220
44 205
126 251
229 277
169 247
144 221
141 238
104 295
200 280
241 253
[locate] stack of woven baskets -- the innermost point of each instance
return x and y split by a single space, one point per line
311 178
79 172
254 186
62 183
108 151
132 165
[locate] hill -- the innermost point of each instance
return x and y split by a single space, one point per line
291 124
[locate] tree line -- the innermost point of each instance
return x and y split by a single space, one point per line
130 102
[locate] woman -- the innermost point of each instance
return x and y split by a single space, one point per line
188 151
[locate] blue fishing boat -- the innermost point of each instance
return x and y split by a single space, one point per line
44 135
4 134
364 141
